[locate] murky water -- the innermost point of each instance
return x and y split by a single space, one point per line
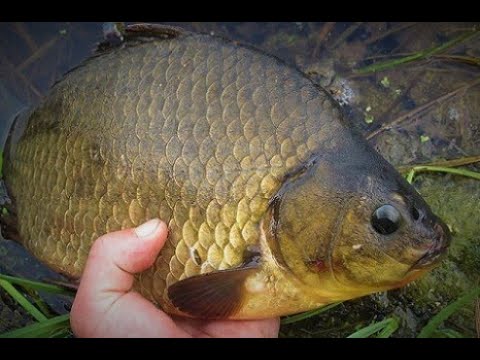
35 55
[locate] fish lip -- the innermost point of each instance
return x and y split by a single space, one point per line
430 258
437 250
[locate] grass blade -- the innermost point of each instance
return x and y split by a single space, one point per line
38 302
52 289
385 326
416 112
389 330
446 312
466 160
450 333
463 172
299 317
419 55
42 329
410 176
22 300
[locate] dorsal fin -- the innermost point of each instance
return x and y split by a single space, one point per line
156 30
139 32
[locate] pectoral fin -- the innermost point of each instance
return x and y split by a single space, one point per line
216 295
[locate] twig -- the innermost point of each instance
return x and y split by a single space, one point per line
464 59
38 53
419 55
389 32
322 35
22 77
462 172
22 31
383 56
349 31
417 111
443 163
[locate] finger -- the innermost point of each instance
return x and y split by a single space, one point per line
108 276
115 257
131 315
266 328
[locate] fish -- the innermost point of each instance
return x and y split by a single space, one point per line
275 205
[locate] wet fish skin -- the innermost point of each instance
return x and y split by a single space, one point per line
206 134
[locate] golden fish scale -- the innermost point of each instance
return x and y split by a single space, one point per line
194 130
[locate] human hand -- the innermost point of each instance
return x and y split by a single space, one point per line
106 305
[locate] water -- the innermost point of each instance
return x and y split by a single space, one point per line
35 55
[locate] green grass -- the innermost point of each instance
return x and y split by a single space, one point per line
423 168
424 54
308 314
431 329
46 326
58 326
22 300
36 285
384 328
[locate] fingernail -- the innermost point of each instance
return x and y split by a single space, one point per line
147 228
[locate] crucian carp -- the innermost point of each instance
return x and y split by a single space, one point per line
274 204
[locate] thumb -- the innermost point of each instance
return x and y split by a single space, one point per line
115 257
108 273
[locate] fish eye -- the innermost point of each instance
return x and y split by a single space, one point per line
386 219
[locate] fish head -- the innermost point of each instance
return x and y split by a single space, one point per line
350 225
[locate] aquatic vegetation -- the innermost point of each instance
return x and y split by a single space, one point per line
36 285
58 326
32 310
384 328
424 54
46 326
431 329
462 172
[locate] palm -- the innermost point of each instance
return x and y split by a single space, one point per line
229 328
106 305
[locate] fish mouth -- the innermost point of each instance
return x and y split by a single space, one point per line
437 251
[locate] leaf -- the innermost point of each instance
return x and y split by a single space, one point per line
424 138
369 118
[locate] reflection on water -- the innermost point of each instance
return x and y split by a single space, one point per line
35 55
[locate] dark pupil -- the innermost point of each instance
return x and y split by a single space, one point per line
386 219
